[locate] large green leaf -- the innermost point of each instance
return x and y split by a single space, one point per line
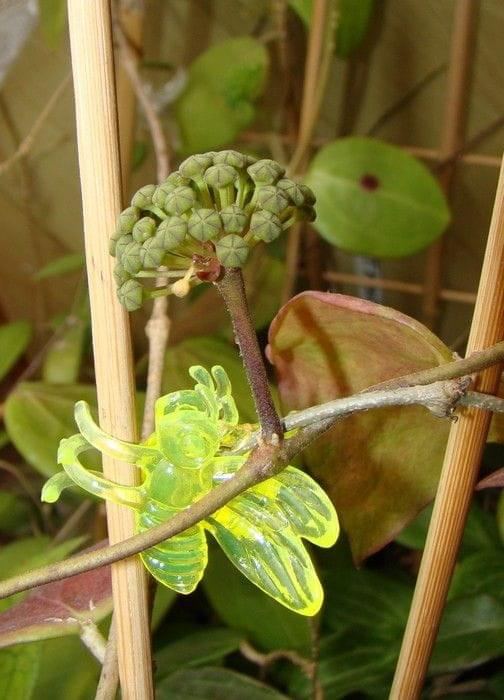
353 21
208 351
206 683
471 633
14 337
68 670
62 360
61 266
479 573
245 608
19 667
217 102
208 646
39 415
374 199
380 467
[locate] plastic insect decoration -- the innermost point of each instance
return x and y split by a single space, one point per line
187 455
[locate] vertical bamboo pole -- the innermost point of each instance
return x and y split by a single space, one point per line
451 139
462 460
96 116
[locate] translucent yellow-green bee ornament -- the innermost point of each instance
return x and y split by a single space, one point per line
188 454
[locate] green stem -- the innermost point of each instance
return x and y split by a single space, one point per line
232 290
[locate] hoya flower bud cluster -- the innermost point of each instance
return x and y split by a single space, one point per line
203 217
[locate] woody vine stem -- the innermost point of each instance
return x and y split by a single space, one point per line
447 388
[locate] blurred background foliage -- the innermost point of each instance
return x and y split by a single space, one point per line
214 70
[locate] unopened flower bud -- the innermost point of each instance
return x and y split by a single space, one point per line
177 179
204 224
127 219
272 199
293 190
221 175
143 229
161 193
265 171
265 225
130 258
121 245
152 253
143 197
234 219
172 232
233 158
180 200
120 274
308 194
130 295
195 166
232 251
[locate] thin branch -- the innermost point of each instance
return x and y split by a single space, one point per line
93 639
264 462
232 290
26 144
266 660
109 677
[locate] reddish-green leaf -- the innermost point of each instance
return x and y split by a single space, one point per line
380 467
58 608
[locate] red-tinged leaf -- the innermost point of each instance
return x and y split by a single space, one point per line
58 609
380 467
495 480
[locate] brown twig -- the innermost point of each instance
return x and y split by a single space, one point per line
266 660
232 290
109 677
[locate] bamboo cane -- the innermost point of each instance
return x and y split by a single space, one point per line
452 132
97 137
462 459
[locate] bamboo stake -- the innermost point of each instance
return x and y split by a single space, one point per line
453 124
462 459
93 71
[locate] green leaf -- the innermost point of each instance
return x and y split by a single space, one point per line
4 439
62 360
353 22
68 670
53 20
379 467
30 553
245 608
163 600
14 338
479 573
38 416
208 351
206 683
217 102
374 199
61 266
480 531
348 664
471 633
204 647
13 512
140 153
354 18
19 668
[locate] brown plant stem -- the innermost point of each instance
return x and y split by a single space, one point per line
263 463
232 290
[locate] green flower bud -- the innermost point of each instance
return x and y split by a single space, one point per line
234 219
204 224
130 295
120 274
233 158
265 171
143 229
307 213
161 193
308 194
152 253
272 199
130 258
293 190
113 242
127 219
122 243
232 251
220 176
143 197
172 232
180 200
195 166
177 180
265 225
